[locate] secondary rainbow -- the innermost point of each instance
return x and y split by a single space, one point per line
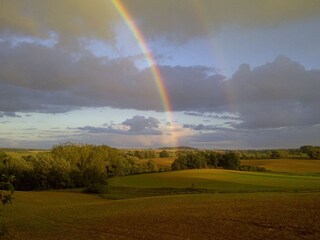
126 16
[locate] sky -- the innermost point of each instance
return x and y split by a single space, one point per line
210 74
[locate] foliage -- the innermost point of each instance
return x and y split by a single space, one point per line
189 160
230 160
145 154
164 154
200 159
312 151
72 165
6 189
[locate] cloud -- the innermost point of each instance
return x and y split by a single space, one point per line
9 114
52 80
94 130
255 138
201 127
184 19
223 116
137 125
141 124
71 19
277 94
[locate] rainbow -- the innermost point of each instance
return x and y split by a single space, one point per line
126 16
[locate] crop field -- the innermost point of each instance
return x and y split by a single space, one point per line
286 165
65 215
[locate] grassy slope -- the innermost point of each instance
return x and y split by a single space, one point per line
62 215
220 181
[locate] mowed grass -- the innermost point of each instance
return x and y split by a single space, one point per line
64 215
286 165
218 180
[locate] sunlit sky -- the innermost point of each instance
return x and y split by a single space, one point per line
238 74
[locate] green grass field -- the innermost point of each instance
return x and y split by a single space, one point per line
220 181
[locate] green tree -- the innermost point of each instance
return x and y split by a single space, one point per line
164 154
230 160
189 160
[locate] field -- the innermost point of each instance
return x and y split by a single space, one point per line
274 165
286 165
189 204
63 215
220 204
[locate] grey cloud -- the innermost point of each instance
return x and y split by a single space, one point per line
138 125
52 77
201 127
192 88
290 137
277 94
184 19
141 124
110 130
9 114
223 116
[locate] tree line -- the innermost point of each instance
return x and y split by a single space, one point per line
211 159
71 166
